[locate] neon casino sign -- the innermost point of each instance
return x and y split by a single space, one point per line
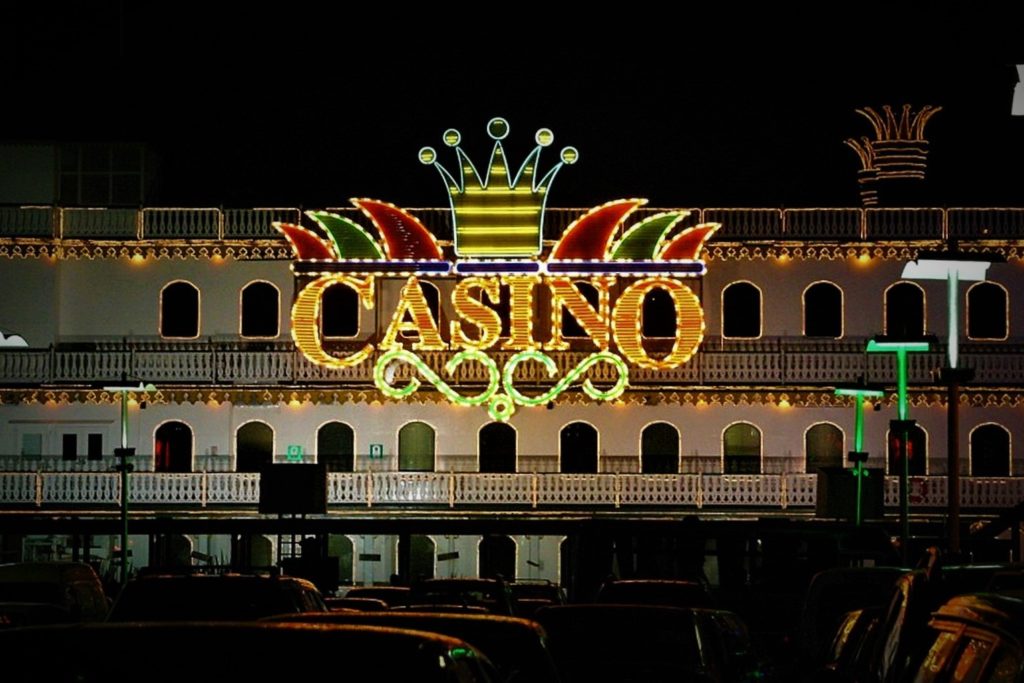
497 220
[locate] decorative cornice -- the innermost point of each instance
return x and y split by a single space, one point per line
796 397
278 250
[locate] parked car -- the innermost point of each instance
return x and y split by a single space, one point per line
226 597
50 593
531 595
493 595
975 638
219 652
394 596
356 604
667 592
517 647
831 595
626 643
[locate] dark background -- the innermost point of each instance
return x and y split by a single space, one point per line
290 105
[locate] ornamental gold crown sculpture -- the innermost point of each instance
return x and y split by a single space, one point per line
498 213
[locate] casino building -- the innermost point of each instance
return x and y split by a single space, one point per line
487 381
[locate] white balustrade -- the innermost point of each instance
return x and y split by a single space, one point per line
225 488
782 491
411 487
164 488
494 489
741 490
19 487
80 487
659 489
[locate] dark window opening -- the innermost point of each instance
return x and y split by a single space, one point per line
904 311
339 312
260 310
94 446
179 311
69 446
741 310
254 446
823 310
823 447
659 449
916 451
742 449
990 451
172 450
578 448
659 314
335 446
497 448
986 311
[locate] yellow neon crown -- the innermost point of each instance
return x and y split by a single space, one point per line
498 215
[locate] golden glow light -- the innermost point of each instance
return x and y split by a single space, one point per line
306 320
565 295
475 312
627 322
421 320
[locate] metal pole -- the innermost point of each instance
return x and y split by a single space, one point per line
123 466
953 461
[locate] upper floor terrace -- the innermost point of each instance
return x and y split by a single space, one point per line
842 225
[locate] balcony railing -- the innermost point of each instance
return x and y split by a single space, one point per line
796 492
812 224
772 361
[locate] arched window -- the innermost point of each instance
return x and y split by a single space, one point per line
918 452
419 554
823 447
340 546
339 312
254 446
990 451
988 311
260 310
172 447
823 310
496 448
577 448
416 447
659 449
335 446
904 310
741 449
571 328
497 558
741 310
433 298
659 314
179 310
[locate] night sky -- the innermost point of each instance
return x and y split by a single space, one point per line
307 109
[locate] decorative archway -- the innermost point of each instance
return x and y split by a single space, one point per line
254 446
416 447
990 451
741 449
335 446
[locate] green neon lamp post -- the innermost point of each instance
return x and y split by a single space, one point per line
902 425
858 456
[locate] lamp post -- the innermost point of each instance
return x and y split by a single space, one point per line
858 456
902 425
952 266
124 467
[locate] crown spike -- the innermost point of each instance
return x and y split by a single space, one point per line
498 214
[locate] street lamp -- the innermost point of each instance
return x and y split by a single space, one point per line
952 266
123 465
858 456
902 425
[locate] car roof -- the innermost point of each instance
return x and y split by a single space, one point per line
1000 612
